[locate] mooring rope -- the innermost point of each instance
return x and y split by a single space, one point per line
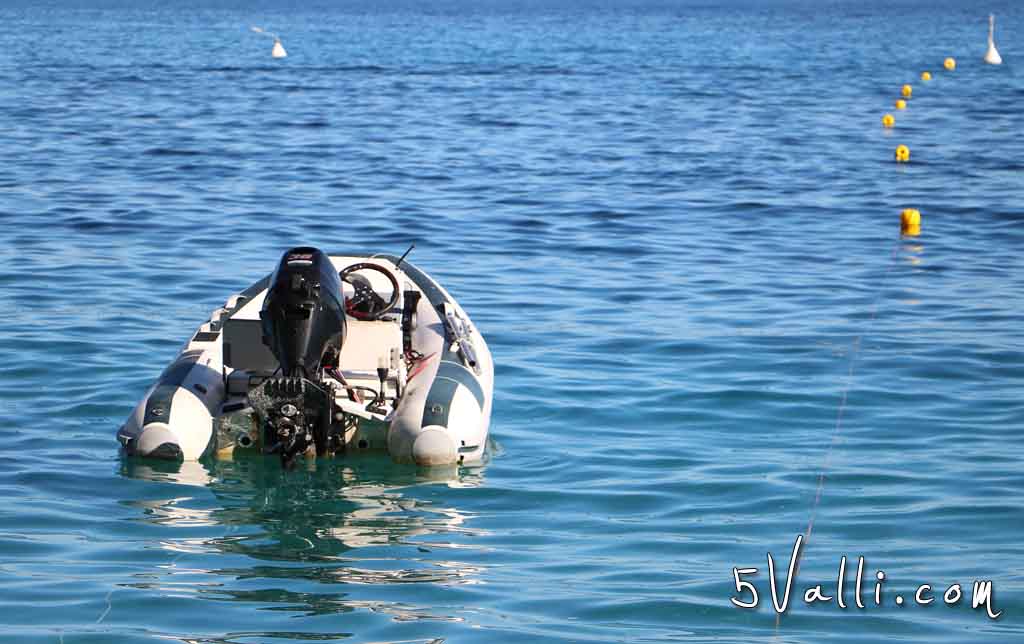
845 396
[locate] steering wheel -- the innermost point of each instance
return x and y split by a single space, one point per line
367 304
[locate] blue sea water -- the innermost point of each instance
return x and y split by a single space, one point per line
676 223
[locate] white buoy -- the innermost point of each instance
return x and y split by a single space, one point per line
278 50
992 56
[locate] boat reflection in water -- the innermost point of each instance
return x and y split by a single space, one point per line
333 537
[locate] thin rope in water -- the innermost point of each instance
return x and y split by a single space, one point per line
110 604
843 399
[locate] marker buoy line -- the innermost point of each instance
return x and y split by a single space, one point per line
949 64
910 225
278 50
907 90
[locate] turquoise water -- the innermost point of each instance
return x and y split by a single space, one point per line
676 225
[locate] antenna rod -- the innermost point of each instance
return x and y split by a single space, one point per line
398 264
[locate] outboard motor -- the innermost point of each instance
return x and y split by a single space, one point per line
303 314
303 321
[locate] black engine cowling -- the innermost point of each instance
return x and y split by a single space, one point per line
303 321
303 314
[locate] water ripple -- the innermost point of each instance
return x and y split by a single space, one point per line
678 233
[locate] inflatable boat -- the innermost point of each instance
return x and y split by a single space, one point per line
329 355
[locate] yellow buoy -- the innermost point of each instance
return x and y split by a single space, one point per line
926 76
907 91
888 121
949 64
901 104
902 154
910 222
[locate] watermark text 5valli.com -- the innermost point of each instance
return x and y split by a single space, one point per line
980 592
